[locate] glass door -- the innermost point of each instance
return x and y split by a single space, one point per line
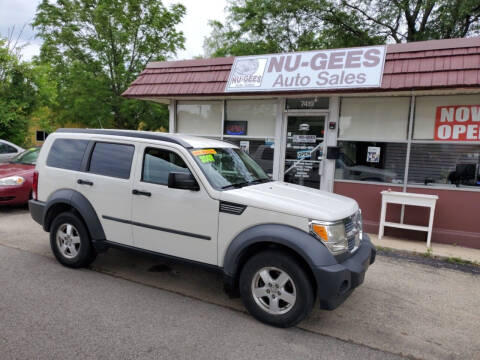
304 149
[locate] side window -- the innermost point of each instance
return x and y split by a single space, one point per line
111 159
11 149
158 163
7 149
67 153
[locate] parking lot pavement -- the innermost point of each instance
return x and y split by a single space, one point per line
50 312
403 307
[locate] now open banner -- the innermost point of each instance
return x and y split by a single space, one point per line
457 123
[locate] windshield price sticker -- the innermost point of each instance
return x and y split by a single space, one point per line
208 158
204 152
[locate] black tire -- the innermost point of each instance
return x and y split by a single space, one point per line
85 251
276 259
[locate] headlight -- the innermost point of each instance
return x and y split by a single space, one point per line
331 234
12 181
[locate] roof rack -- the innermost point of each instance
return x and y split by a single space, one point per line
130 133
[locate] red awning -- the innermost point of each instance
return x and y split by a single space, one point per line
434 64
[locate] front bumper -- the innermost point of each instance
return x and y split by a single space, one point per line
10 195
336 282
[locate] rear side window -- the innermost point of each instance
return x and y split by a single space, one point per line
7 149
67 153
113 160
158 163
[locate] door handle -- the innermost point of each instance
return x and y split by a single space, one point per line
144 193
84 182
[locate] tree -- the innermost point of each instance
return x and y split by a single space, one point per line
97 48
415 20
272 26
17 95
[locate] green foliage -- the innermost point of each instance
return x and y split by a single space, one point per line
272 26
17 95
416 20
96 48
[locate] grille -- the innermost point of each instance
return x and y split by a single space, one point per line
351 243
6 198
351 233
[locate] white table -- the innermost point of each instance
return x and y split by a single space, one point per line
395 197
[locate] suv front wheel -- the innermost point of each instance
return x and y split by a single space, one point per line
70 241
275 289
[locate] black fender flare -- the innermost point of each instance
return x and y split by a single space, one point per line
81 204
313 252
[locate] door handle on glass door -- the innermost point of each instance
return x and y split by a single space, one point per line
138 192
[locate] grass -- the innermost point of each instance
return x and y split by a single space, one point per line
456 260
428 253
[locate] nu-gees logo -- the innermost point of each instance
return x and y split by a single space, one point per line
246 67
248 73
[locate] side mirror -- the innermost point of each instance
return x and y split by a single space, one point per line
180 180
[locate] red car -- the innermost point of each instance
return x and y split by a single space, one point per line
16 178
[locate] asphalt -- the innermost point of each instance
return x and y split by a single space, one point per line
50 312
406 307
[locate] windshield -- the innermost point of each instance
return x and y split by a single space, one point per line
28 157
229 168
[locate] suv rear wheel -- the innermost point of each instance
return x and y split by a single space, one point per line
275 289
70 241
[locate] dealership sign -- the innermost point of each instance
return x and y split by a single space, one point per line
457 123
311 70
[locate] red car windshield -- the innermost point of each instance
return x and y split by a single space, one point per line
28 157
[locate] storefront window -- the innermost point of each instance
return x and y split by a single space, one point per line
250 124
445 164
376 118
371 161
260 150
373 139
199 117
250 117
426 112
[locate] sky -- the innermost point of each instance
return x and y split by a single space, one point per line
17 13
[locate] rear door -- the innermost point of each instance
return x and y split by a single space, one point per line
177 222
107 184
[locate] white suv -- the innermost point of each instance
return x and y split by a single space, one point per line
280 246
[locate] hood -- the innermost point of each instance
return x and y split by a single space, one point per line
7 170
294 200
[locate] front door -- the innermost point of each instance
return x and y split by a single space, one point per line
176 222
304 150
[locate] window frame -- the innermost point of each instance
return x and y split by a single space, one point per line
411 112
91 148
409 141
163 149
